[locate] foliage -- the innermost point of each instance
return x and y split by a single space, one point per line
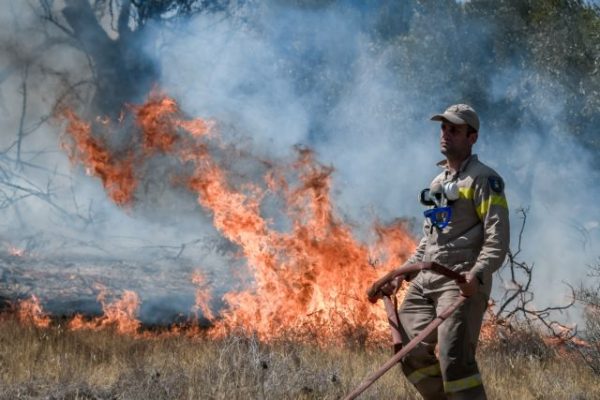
522 62
532 64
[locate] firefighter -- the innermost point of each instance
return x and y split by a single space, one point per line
466 229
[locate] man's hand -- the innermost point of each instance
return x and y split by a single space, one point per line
384 287
470 287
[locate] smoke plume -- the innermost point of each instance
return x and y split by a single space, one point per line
355 82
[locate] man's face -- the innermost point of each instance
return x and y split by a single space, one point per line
455 141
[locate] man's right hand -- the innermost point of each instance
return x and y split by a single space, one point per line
384 287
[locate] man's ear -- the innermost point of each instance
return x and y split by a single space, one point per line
473 137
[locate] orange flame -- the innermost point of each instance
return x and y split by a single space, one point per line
156 119
203 296
159 119
313 277
564 336
116 173
561 338
309 279
30 311
120 315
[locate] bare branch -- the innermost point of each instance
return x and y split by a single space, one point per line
517 301
20 133
49 16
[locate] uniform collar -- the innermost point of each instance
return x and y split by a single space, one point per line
444 163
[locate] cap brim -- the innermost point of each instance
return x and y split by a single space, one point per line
450 118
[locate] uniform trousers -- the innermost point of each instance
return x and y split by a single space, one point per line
453 373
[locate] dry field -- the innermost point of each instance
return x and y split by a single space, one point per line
54 363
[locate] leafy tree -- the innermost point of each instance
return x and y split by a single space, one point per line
544 49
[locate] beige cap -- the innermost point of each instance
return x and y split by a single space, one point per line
459 114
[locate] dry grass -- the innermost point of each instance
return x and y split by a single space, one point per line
58 364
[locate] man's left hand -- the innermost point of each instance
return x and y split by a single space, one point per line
470 287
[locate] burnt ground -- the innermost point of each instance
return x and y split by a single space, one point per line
70 285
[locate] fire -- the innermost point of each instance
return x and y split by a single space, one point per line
156 119
116 173
159 119
30 311
564 339
203 297
120 315
15 251
307 279
560 338
312 277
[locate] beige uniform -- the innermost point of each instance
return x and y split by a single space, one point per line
477 240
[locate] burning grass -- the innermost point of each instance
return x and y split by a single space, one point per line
305 266
315 334
58 363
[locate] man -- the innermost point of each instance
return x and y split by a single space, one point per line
467 230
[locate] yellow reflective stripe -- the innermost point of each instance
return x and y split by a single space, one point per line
493 200
466 193
422 373
462 384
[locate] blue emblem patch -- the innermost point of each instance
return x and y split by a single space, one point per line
496 184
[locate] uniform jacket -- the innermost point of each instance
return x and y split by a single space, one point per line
477 237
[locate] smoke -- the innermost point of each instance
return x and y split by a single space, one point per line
319 76
338 77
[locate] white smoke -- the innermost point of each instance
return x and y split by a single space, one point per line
363 116
276 75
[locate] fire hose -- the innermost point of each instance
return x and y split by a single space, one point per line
394 320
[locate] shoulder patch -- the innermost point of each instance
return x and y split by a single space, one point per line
496 184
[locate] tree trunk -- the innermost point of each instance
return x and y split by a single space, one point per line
124 74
